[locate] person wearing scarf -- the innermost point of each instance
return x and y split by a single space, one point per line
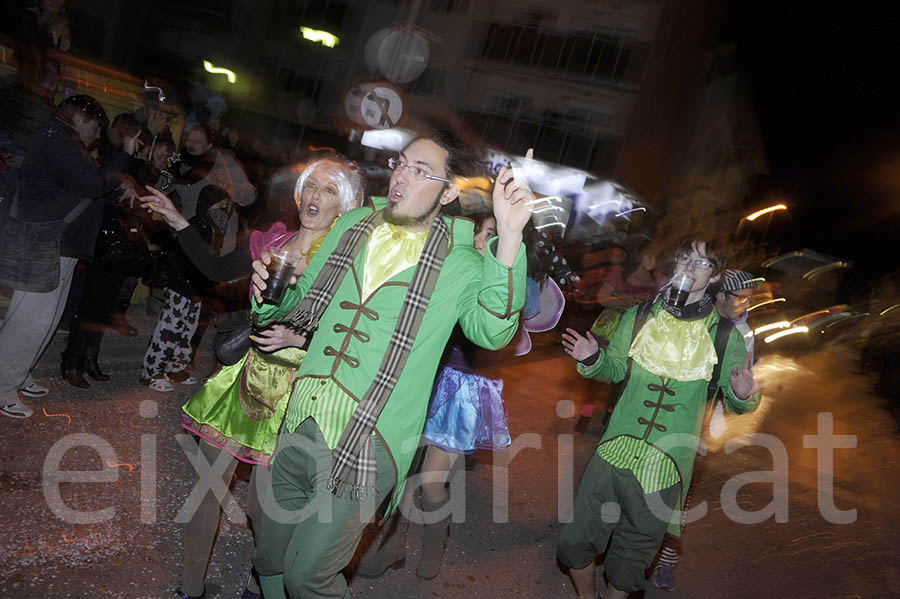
646 456
382 296
240 409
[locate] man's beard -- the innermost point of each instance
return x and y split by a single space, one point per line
418 220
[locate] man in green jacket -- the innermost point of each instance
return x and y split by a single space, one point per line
641 470
383 295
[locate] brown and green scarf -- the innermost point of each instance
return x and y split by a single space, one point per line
353 466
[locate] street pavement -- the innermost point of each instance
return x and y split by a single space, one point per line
505 544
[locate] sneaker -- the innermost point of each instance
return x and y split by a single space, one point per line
34 390
160 385
19 409
191 380
665 577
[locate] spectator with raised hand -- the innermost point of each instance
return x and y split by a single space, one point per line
240 409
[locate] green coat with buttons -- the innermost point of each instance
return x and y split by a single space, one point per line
483 295
664 414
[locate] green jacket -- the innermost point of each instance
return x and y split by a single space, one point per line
668 422
482 294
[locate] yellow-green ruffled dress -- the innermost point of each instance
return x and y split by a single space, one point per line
240 409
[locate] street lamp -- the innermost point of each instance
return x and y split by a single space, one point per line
211 68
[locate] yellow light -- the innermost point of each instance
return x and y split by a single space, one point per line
759 213
210 68
771 301
785 333
820 269
775 325
825 311
885 311
323 37
782 258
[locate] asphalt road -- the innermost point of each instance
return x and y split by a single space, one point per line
505 545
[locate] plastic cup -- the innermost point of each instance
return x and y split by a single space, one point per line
281 268
680 290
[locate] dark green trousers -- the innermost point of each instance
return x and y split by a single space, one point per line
611 509
307 535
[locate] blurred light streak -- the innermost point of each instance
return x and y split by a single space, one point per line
781 258
771 301
779 335
641 208
542 227
387 139
775 325
158 90
825 311
130 467
886 310
820 269
759 213
210 68
757 280
315 35
842 318
48 415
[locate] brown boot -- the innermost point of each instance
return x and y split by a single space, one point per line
434 538
392 551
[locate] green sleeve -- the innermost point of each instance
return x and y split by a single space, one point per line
735 353
269 313
613 360
488 307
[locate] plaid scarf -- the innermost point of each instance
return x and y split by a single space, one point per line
353 466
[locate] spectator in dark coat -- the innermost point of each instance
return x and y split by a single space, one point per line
58 173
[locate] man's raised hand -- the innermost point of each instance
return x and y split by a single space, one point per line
512 199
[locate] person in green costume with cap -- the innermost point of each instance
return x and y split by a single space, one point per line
635 484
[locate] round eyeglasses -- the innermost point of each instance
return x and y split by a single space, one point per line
417 173
699 263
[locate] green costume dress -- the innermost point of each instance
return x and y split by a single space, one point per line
240 409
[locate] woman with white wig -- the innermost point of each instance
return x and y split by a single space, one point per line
238 411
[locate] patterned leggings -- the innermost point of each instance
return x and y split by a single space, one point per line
170 346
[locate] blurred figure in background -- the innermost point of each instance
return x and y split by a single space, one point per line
59 176
121 253
203 165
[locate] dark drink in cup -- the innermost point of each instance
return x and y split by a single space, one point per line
680 290
281 268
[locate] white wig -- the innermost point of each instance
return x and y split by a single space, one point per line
348 180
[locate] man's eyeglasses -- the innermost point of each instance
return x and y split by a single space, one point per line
738 299
417 173
699 263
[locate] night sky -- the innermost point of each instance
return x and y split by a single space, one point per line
821 77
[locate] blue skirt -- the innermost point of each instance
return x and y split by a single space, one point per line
466 413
